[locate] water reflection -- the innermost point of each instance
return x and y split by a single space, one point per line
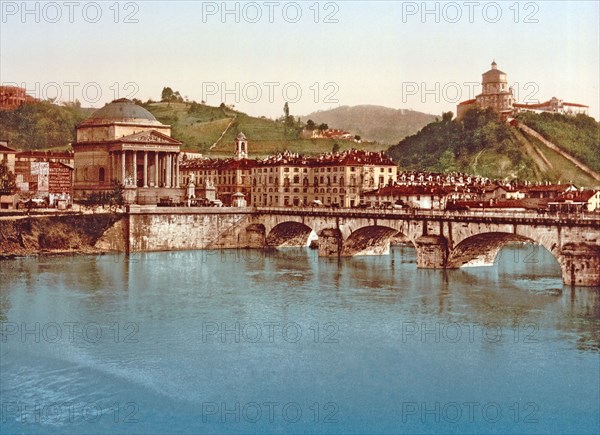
379 307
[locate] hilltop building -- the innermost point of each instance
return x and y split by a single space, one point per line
12 97
498 95
495 94
124 143
554 105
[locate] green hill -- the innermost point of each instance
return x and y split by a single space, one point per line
202 128
578 135
41 125
212 130
480 144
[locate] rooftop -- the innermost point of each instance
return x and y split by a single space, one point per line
121 110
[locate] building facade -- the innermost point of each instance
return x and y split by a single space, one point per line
553 105
7 155
124 143
288 179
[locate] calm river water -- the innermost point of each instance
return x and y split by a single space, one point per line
285 342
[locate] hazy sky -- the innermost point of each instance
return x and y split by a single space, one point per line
317 55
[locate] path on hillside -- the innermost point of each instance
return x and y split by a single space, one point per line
540 160
224 132
585 168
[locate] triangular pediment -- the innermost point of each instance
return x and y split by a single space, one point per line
150 137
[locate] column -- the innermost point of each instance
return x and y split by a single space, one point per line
134 168
110 166
145 168
156 169
177 170
123 155
168 168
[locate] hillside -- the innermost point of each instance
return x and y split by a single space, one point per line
481 144
41 125
212 131
373 123
207 129
578 135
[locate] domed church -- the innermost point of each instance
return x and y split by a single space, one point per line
496 94
124 143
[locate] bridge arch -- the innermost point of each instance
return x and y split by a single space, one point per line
288 234
370 240
482 249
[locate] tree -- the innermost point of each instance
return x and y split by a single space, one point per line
323 127
166 94
286 110
194 107
336 147
8 185
447 116
310 125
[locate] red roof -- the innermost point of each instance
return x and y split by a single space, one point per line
575 105
6 149
548 188
576 196
346 158
404 190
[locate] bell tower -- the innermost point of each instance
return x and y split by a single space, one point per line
241 147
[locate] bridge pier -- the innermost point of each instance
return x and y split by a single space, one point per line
256 236
330 243
432 252
580 264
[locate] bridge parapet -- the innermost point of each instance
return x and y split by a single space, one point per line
492 216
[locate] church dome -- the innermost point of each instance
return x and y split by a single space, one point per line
494 74
122 110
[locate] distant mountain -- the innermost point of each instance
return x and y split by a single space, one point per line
373 123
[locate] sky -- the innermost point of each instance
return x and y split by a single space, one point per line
424 56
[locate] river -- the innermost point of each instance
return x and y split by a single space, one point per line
285 342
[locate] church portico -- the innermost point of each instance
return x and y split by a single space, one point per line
123 143
145 169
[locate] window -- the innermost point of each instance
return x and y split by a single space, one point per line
101 175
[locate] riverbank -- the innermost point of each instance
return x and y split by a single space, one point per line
71 233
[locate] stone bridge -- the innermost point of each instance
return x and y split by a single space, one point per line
441 239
